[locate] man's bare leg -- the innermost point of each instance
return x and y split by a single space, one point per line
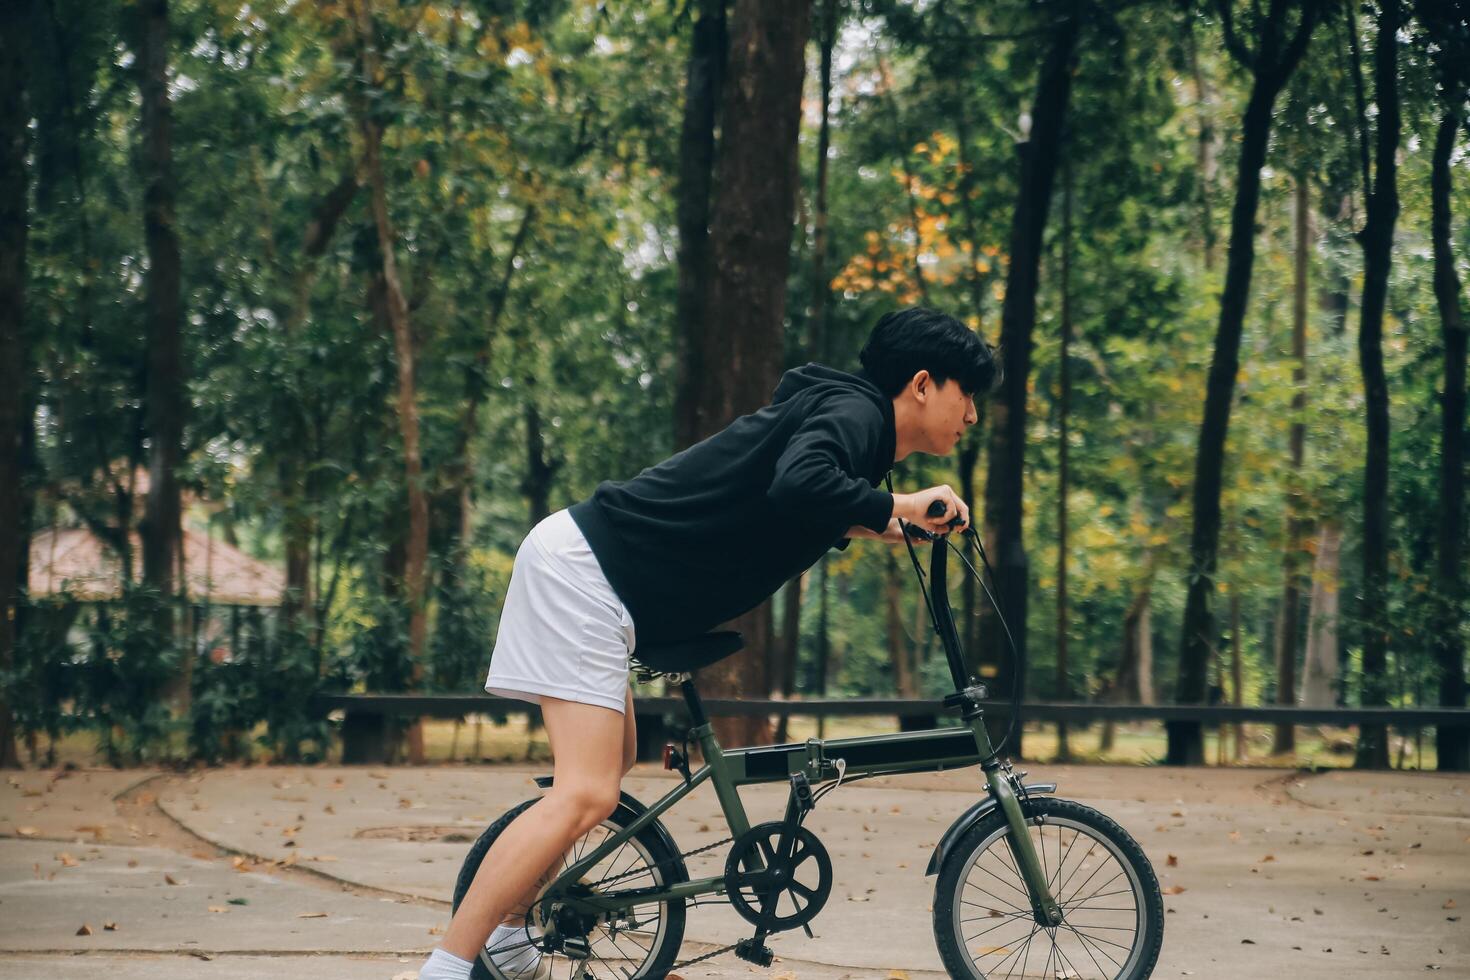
516 917
588 762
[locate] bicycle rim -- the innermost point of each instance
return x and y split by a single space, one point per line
1104 917
620 947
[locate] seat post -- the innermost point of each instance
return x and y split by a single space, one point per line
691 698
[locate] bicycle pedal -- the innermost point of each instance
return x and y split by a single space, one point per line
758 953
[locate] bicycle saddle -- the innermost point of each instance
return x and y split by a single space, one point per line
690 655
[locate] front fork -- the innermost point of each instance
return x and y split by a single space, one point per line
1003 785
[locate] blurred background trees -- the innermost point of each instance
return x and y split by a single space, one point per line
361 290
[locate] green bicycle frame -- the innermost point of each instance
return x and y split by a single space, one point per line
932 750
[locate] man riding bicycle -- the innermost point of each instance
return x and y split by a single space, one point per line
685 546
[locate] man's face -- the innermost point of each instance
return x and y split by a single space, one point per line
948 412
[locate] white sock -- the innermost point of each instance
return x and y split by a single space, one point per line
444 965
517 958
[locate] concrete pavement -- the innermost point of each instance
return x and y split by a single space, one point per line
347 872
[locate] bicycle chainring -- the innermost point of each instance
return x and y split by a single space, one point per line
804 879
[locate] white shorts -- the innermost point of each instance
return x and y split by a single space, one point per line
564 633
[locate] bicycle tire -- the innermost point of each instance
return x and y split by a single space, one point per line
985 848
667 867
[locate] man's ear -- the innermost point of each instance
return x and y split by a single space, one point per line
921 384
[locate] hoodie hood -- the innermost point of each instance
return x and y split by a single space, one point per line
814 375
821 381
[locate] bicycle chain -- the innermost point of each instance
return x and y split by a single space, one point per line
658 864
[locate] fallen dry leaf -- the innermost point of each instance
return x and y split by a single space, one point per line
311 915
67 861
217 908
169 879
1268 857
1174 890
85 930
1449 904
897 975
1173 861
33 832
109 927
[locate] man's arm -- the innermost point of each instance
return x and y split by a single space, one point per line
816 469
893 534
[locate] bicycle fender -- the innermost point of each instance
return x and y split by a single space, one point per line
634 808
969 819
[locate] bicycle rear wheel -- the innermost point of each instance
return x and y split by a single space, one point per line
641 942
1112 913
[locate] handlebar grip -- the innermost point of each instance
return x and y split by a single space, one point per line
937 509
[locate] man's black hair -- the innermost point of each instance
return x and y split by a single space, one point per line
905 342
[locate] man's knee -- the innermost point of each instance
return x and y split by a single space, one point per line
589 803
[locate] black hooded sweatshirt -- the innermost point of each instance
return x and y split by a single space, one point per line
713 531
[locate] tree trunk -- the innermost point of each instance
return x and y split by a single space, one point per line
14 349
1005 476
966 460
1136 664
703 85
749 249
417 544
1235 670
819 339
1064 407
1296 524
1204 155
1453 743
784 677
541 467
161 528
1186 738
300 522
1133 683
898 649
1382 208
1319 666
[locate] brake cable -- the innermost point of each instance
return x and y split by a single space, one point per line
974 539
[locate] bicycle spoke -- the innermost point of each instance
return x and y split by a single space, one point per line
1009 884
1052 885
1081 864
1097 895
1088 947
1026 954
1118 874
1089 878
983 932
1011 953
1071 966
1098 941
1018 908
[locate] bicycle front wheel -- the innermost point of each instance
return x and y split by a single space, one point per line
640 942
1112 913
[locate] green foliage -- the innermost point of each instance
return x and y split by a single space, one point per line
531 157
